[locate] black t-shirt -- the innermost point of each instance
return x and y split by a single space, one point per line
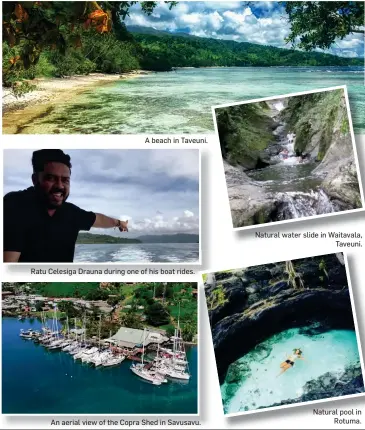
39 237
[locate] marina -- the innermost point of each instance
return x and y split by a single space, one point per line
66 374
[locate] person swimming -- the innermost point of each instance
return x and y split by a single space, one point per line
289 362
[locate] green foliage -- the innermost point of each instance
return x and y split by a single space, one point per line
314 113
189 330
165 51
65 289
216 298
317 24
345 126
157 314
244 130
96 294
131 319
294 278
69 309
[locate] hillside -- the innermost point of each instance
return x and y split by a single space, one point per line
170 238
164 50
89 238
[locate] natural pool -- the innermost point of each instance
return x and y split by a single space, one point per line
253 382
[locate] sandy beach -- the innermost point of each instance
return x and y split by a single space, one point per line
18 111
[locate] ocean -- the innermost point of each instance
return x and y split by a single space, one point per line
137 253
180 101
38 381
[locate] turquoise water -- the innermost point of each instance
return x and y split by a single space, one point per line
37 381
261 386
180 101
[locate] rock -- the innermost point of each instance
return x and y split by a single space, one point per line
290 307
330 385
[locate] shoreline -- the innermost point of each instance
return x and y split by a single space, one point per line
55 88
50 92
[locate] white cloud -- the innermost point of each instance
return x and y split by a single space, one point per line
262 22
155 185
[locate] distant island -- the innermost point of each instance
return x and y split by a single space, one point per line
163 50
89 238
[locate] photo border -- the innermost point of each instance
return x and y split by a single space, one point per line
359 348
96 264
349 116
122 414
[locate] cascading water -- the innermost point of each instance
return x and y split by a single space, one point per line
290 177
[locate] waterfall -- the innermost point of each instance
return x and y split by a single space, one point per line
300 205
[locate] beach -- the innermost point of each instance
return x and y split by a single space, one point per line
179 101
51 92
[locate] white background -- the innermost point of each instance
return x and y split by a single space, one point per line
222 248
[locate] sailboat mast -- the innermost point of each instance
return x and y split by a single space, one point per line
99 329
144 334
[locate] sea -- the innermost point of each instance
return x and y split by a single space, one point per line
137 253
38 381
181 101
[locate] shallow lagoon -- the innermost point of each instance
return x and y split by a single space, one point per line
261 386
180 101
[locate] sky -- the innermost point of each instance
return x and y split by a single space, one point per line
261 22
156 190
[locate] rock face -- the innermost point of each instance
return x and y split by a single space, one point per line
252 137
248 306
330 385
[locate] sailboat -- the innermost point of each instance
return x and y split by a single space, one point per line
176 367
146 374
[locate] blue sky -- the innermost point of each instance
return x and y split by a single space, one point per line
261 22
157 189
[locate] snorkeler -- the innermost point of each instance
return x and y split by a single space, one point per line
289 362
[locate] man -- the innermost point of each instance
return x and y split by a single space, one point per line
39 225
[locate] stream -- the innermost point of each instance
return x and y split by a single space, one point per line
291 178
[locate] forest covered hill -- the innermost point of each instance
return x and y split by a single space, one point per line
163 50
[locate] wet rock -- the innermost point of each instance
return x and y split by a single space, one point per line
330 385
267 317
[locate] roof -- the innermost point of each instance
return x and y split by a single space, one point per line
133 336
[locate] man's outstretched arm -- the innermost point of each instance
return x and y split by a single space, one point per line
103 221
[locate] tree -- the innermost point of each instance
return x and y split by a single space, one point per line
131 319
39 306
317 24
38 25
189 330
157 314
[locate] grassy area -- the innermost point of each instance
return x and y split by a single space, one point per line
64 289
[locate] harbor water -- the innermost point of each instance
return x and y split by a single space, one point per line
38 381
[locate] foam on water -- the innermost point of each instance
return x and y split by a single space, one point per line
331 351
138 253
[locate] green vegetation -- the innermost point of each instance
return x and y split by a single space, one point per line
88 238
317 24
294 278
168 50
244 130
62 38
313 114
133 305
67 38
216 298
64 289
